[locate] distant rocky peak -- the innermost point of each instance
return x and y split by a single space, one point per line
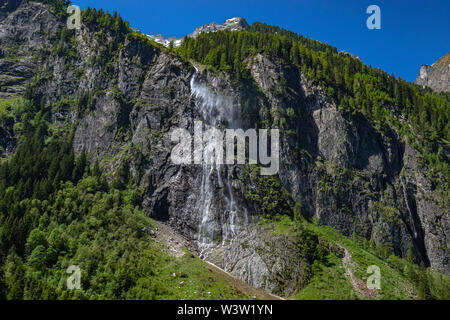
9 6
436 76
238 23
233 24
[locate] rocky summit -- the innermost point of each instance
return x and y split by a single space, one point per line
87 122
436 76
233 24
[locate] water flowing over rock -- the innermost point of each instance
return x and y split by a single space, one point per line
216 109
436 76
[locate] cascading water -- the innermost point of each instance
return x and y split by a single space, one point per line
215 110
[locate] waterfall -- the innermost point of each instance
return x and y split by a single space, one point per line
216 110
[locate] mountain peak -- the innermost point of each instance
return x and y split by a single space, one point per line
236 22
437 75
233 24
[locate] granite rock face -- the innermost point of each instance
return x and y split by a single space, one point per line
233 24
345 173
23 33
436 76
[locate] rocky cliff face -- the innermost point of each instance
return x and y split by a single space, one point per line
436 76
360 180
345 173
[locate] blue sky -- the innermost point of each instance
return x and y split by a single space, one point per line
412 32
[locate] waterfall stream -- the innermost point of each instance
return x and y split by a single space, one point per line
216 110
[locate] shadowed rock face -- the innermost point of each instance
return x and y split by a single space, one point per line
22 34
345 173
436 76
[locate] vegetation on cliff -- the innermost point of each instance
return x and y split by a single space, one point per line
355 87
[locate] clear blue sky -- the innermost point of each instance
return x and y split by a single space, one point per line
412 32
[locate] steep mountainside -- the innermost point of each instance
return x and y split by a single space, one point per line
233 24
436 76
116 96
